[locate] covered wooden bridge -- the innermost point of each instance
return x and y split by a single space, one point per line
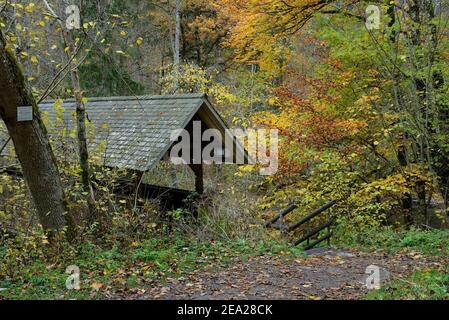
137 130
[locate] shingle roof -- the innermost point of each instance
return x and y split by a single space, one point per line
137 129
3 140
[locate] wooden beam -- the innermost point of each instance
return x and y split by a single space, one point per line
312 215
318 241
289 209
199 183
313 232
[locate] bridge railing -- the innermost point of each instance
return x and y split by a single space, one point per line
278 223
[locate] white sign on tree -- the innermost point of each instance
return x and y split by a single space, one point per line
24 113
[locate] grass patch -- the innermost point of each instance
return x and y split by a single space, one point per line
434 242
429 284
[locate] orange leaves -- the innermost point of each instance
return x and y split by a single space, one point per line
251 35
321 130
262 29
308 114
312 115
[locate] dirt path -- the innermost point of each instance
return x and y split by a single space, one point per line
325 274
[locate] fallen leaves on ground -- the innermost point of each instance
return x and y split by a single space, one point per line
331 274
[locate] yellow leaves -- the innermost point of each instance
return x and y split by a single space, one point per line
96 286
58 104
17 5
123 33
244 170
30 7
72 133
45 240
252 35
345 78
391 187
34 59
121 53
139 41
247 168
273 101
90 24
153 225
135 244
365 102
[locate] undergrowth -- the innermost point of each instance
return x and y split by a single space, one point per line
389 240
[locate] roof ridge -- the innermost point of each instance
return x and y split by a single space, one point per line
135 98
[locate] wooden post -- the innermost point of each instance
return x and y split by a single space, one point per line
308 231
198 170
329 228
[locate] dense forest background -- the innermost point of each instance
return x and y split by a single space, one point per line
357 89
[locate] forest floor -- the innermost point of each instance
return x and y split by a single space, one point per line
179 268
323 274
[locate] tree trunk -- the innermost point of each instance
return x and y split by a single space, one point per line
402 155
80 109
31 144
176 61
176 48
407 201
176 53
81 126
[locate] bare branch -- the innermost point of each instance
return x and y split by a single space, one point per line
53 13
47 90
4 6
